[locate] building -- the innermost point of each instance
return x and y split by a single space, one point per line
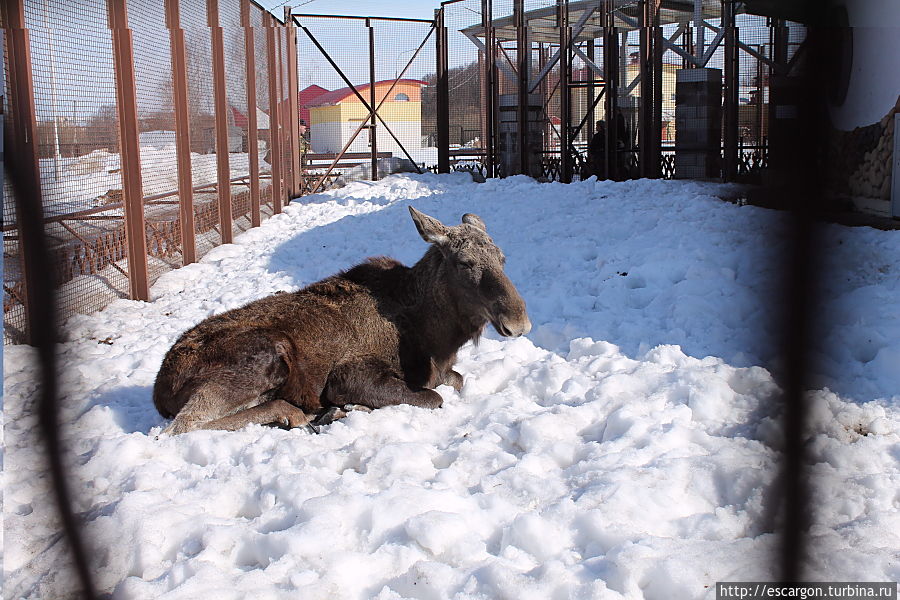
335 115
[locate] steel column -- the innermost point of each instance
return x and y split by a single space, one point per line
293 105
523 51
132 188
181 101
611 102
220 100
489 88
565 90
275 152
372 134
252 124
730 93
442 92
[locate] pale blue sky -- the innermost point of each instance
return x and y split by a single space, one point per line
415 9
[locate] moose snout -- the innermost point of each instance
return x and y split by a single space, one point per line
519 328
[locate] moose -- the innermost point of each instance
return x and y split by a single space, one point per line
378 334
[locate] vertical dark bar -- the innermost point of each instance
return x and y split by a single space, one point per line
730 93
223 169
293 90
252 123
591 90
22 168
655 157
182 132
442 92
645 113
274 119
126 98
565 90
489 87
611 103
23 136
372 137
522 54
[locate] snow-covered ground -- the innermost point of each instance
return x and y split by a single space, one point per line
627 448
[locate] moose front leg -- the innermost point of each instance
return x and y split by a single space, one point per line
374 384
453 379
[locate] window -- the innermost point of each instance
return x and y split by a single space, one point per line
401 98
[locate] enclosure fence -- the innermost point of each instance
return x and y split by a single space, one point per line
158 129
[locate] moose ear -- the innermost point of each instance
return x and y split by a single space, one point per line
431 230
474 220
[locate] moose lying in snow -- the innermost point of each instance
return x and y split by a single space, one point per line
376 335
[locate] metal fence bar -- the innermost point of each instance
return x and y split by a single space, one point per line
126 99
223 168
252 121
293 89
182 131
442 82
373 142
274 120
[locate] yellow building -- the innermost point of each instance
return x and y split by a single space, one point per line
335 115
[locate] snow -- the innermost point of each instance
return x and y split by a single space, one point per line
627 448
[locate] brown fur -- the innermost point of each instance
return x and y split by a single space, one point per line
375 335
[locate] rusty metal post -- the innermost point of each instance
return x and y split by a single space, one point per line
274 119
23 134
372 137
611 102
730 92
180 101
565 90
252 124
129 142
442 92
523 49
654 167
220 100
293 107
488 87
283 110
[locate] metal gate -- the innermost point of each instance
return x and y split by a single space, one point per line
368 100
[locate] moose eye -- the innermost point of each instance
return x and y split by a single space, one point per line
466 264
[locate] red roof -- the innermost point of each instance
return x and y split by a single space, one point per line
240 119
336 96
306 96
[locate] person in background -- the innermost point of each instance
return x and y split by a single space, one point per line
597 151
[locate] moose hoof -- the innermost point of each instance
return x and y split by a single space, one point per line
313 429
329 416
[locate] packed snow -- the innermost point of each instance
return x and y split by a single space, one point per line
627 448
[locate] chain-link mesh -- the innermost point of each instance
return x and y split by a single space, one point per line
77 144
73 70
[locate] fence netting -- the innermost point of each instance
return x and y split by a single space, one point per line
73 78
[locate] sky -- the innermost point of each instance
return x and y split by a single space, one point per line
414 9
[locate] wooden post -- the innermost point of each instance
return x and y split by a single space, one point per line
293 105
252 124
180 101
129 142
223 168
274 116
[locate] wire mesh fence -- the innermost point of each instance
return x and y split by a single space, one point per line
192 174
